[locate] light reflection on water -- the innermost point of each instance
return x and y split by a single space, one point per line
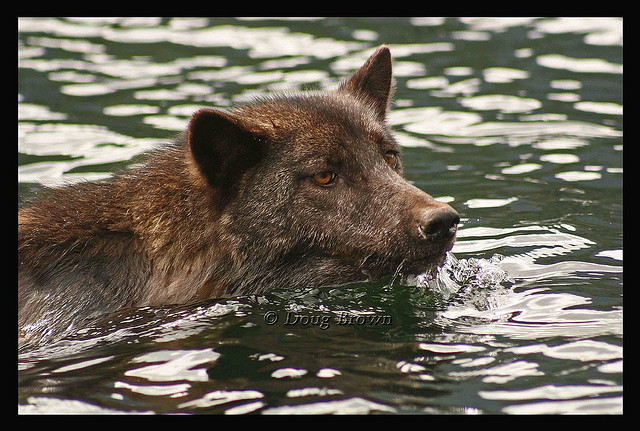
516 122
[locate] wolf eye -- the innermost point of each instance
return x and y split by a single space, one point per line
391 157
325 178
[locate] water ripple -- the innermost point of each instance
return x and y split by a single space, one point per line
526 143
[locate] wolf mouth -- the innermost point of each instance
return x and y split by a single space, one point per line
376 266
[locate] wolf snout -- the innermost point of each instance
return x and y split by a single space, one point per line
439 223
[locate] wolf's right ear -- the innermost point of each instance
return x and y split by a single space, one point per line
373 81
223 147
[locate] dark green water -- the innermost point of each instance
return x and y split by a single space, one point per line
517 123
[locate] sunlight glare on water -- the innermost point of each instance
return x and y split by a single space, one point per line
514 122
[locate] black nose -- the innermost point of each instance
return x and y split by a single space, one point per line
439 223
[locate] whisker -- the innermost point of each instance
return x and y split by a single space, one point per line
395 275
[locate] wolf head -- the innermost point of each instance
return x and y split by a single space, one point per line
310 188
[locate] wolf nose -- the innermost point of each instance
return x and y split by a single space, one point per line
440 223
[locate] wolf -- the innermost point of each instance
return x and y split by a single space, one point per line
292 190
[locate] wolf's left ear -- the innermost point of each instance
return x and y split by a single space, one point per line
373 81
223 147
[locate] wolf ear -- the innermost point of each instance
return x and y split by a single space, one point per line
373 81
222 147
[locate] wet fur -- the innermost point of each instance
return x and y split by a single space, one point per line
230 209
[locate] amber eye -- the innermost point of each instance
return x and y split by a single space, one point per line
391 158
324 178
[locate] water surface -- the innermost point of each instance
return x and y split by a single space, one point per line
516 122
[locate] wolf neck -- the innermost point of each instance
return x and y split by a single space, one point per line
168 207
173 217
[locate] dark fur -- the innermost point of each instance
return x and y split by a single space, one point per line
231 208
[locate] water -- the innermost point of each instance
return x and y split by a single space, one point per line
516 122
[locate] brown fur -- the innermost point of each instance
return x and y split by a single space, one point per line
230 208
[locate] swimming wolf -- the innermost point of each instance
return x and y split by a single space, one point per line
293 190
